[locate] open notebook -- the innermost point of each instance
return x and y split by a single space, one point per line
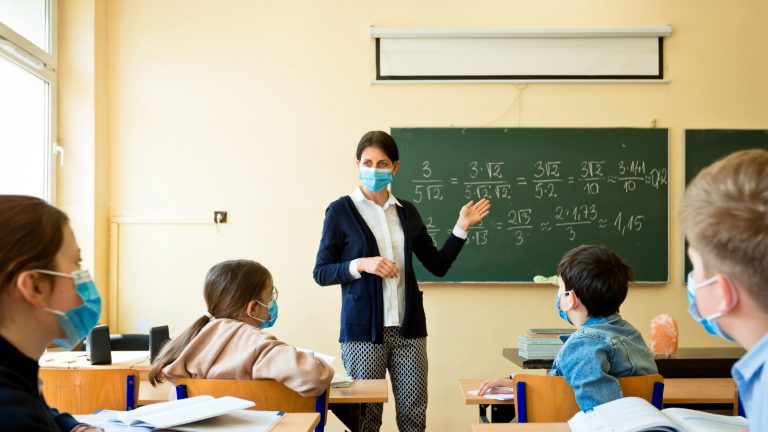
632 414
177 412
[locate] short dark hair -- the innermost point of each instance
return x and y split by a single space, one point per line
598 276
379 139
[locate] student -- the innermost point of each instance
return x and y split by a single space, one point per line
368 246
725 219
228 342
593 283
44 296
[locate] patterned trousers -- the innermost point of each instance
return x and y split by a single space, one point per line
406 361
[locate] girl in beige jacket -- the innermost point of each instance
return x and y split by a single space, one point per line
228 342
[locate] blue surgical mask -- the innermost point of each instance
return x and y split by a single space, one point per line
272 309
709 323
80 320
561 312
375 179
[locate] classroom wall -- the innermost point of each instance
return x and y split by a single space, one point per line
256 108
82 188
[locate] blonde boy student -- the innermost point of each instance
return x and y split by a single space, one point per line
725 219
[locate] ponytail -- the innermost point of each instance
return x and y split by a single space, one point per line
172 350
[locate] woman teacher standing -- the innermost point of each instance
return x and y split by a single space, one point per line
368 242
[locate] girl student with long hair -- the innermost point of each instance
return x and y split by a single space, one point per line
44 296
229 341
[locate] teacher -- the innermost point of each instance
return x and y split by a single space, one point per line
368 242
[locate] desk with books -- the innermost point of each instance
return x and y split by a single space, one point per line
686 363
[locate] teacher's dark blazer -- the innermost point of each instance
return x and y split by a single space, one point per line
346 237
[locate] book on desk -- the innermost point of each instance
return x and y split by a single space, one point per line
542 343
632 414
172 414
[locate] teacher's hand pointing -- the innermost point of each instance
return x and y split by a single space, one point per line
473 213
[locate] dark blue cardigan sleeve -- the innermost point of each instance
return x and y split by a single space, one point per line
330 267
64 421
436 261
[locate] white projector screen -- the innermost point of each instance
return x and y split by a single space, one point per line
519 57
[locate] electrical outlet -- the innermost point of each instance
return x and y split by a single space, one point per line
219 216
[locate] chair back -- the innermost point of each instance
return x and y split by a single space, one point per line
738 408
83 391
269 395
549 399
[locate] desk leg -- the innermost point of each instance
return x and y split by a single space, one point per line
499 413
483 416
502 413
349 414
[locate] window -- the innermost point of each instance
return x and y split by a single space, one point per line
28 89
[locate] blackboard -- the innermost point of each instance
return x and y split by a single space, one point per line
551 188
705 146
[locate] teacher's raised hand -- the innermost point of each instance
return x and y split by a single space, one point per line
473 213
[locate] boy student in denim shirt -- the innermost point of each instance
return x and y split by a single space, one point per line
593 283
725 219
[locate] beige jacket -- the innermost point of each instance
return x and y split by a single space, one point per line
232 349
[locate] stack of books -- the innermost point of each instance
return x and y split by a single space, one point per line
543 343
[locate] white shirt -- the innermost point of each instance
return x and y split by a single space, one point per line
390 239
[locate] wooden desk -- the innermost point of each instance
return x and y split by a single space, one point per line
361 391
150 395
521 427
347 403
501 411
298 422
291 422
138 360
699 391
686 363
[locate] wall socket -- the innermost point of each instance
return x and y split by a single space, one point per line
219 217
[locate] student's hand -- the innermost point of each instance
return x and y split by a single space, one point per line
379 266
473 213
488 386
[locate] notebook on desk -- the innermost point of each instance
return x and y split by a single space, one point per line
174 413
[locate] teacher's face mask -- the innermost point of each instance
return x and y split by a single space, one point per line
375 179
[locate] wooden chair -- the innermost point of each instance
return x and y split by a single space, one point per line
83 391
269 395
549 399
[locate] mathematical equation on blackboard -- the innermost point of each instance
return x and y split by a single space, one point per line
547 182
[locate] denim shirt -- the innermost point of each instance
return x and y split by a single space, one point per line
599 351
752 381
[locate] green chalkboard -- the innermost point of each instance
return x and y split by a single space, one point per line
551 189
704 146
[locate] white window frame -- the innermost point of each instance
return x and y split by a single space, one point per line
42 64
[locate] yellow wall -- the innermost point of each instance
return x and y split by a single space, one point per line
255 107
83 181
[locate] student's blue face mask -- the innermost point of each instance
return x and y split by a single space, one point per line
80 320
375 179
272 309
561 312
709 323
